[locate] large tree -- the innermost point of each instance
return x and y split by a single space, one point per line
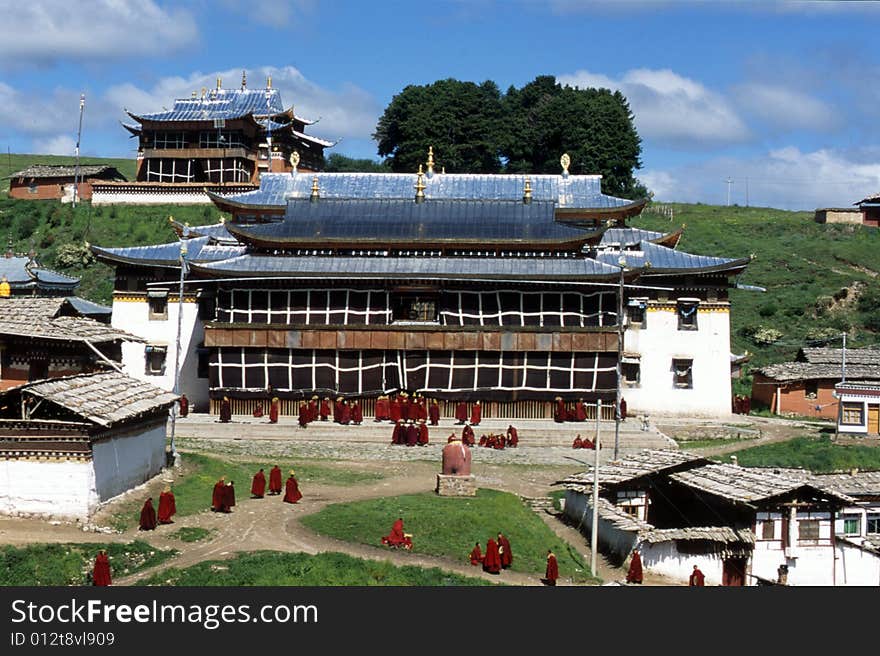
463 122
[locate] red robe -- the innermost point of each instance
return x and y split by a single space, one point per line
405 409
167 507
412 435
325 409
313 410
394 410
337 411
697 578
148 516
291 491
225 411
275 480
434 413
303 415
217 497
357 415
461 413
101 571
552 572
588 444
622 408
345 418
258 411
505 551
423 434
512 437
381 412
228 496
476 555
273 412
184 408
258 486
476 414
423 409
560 415
396 437
578 443
492 560
467 435
634 575
580 411
397 538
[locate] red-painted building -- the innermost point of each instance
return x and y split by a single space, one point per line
870 208
56 182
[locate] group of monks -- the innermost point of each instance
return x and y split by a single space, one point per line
742 405
410 434
562 412
476 414
291 487
402 406
397 538
582 443
499 440
167 508
498 555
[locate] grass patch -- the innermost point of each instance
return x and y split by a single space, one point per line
193 487
70 564
448 527
702 444
191 534
818 454
269 568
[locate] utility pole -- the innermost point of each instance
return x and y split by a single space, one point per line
183 248
729 182
747 191
620 337
82 105
843 361
594 536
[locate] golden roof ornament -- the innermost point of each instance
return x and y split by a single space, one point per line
244 79
430 161
195 94
268 81
218 83
565 162
420 186
316 192
294 160
204 91
527 191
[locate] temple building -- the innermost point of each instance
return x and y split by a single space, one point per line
60 182
510 289
222 139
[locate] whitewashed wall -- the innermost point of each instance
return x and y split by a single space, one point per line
864 399
106 197
661 341
125 461
133 317
610 537
64 489
664 558
856 566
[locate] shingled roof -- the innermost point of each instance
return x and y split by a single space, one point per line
643 463
38 171
825 363
40 317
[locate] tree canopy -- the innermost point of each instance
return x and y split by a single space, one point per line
475 129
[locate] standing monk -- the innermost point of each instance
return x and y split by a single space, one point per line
167 506
258 485
394 409
423 433
303 415
559 414
552 571
291 489
397 435
101 570
476 555
512 437
274 409
622 408
580 411
357 415
184 405
634 575
148 516
217 496
504 550
275 480
461 413
325 408
434 413
228 497
225 410
381 412
697 578
313 409
492 559
476 414
412 434
467 435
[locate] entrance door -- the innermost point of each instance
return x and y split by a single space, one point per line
734 572
873 419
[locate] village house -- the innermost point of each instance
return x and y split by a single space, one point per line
870 209
57 181
807 385
741 526
503 288
859 407
70 444
845 215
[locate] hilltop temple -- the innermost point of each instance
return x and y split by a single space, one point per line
510 289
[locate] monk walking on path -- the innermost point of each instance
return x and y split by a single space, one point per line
101 570
148 516
217 495
275 480
167 506
634 575
492 559
504 551
258 485
697 578
552 571
291 491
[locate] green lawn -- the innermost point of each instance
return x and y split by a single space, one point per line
685 445
817 454
193 488
69 564
269 568
449 527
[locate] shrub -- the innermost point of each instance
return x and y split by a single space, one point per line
764 335
73 255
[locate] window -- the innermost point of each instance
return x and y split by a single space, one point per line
768 529
811 389
852 525
415 308
204 360
38 370
682 376
873 523
32 187
630 372
169 140
808 530
852 414
636 310
158 302
630 510
155 360
687 314
207 308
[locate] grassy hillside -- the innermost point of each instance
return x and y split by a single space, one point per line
10 164
821 280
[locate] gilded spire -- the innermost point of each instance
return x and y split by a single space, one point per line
430 161
219 83
195 94
244 79
269 82
527 191
420 186
565 161
316 192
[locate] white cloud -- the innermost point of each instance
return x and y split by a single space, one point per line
785 108
47 30
57 145
674 110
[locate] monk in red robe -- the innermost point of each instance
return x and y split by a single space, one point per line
622 409
357 415
560 414
423 433
697 578
258 485
303 418
476 414
101 570
228 495
504 551
397 435
313 409
217 496
291 489
461 413
412 434
552 571
634 575
225 410
345 419
184 405
578 443
588 444
512 436
394 409
167 506
337 410
467 435
476 555
397 538
423 408
275 480
492 559
580 411
405 406
498 442
274 410
324 412
381 412
148 516
434 413
258 411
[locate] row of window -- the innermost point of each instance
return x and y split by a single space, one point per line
207 139
637 315
682 373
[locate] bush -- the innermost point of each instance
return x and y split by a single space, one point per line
767 310
766 336
73 255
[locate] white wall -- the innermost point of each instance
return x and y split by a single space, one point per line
120 197
610 537
133 317
122 462
856 566
864 400
663 558
661 341
63 489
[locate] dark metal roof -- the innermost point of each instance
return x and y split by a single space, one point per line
199 249
574 191
661 259
362 223
519 268
87 308
628 236
221 104
23 273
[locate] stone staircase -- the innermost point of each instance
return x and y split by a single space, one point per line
541 505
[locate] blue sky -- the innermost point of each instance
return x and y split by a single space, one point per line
780 97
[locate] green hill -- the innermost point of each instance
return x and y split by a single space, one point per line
11 163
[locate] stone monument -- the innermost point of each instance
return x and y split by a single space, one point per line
456 479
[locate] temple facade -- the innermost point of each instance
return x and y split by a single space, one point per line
510 289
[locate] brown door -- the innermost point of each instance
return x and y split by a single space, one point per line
734 573
873 419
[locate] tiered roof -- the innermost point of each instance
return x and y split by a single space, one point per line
24 273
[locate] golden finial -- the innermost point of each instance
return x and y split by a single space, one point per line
420 186
443 170
195 94
244 79
268 81
219 82
204 91
565 161
316 194
430 161
527 191
294 159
